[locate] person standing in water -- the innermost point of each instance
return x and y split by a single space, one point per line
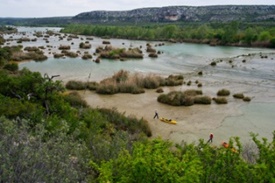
156 114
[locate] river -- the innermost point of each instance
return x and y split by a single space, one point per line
240 69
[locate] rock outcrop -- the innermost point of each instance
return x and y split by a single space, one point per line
248 13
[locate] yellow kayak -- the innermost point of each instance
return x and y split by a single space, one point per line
170 121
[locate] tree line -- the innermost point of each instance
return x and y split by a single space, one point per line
234 33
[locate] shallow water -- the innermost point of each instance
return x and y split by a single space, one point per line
179 58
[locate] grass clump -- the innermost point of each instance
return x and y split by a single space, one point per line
186 98
124 82
192 92
223 92
176 98
75 100
159 90
220 100
238 95
75 85
85 45
87 56
107 87
173 80
202 100
64 47
213 63
247 99
69 54
130 123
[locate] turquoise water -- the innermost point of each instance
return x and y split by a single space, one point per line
179 58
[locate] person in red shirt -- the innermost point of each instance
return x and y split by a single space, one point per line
210 138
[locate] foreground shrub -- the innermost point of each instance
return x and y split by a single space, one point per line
130 123
11 67
223 92
35 156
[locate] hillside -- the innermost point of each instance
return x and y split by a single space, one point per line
248 13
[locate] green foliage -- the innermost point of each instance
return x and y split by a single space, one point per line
215 33
11 67
31 155
151 161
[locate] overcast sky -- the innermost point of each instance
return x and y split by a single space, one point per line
52 8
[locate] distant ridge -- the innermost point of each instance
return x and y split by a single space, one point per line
223 13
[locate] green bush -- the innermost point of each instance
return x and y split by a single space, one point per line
11 67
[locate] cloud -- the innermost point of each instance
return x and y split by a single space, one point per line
49 8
